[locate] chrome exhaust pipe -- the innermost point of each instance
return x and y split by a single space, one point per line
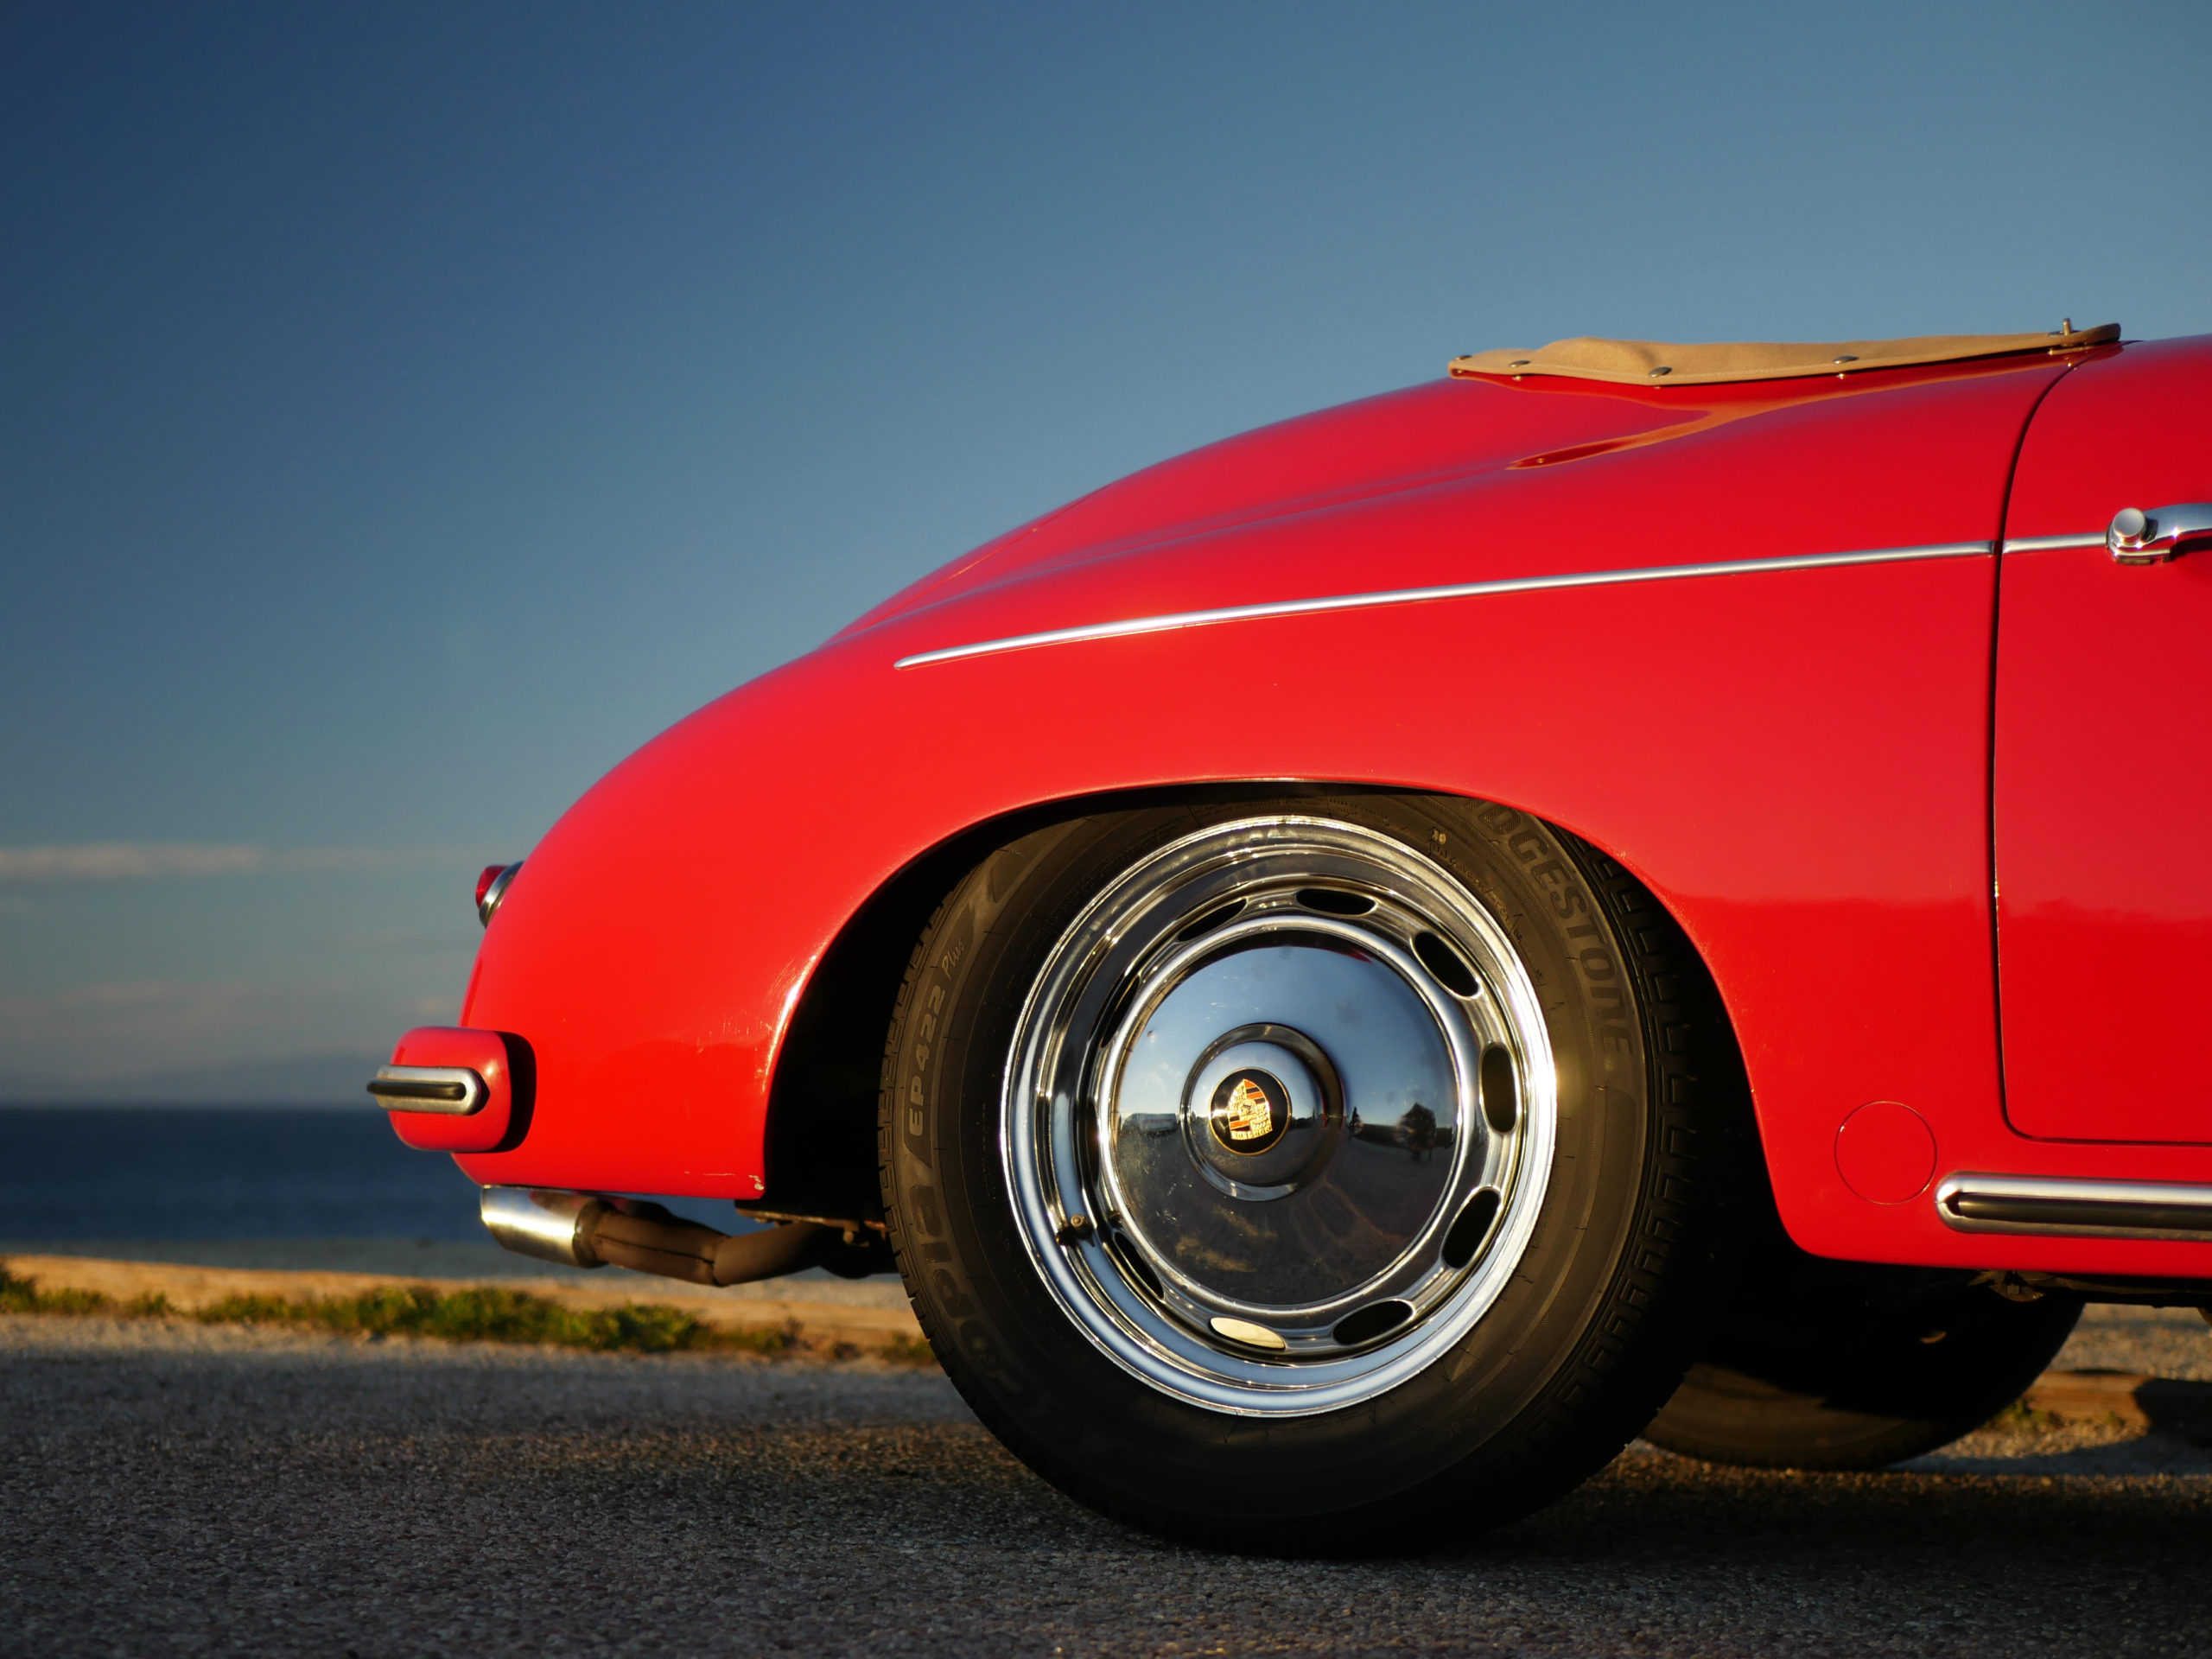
580 1230
551 1226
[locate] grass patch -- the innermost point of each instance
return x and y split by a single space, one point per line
906 1350
2021 1418
477 1313
21 1295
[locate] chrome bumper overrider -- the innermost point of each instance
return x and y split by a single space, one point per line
448 1090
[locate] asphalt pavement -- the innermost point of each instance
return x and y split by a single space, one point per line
171 1488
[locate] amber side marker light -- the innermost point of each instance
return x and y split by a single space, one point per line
491 886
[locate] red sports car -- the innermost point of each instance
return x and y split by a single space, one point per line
1631 889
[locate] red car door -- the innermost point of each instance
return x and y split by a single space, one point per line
2103 761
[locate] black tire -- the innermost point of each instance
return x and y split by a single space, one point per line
1583 1344
1834 1365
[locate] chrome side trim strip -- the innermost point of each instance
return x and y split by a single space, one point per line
1460 590
2052 544
2061 1206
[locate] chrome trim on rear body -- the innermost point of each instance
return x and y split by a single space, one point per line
2053 543
447 1090
1458 590
2066 1207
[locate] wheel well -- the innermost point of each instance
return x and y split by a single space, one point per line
821 1151
820 1154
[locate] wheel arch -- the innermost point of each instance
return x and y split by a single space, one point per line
820 1148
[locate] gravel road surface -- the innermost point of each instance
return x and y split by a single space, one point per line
180 1488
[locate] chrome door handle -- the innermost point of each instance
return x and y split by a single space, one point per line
2153 538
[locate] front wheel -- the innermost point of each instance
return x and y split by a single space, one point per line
1309 1176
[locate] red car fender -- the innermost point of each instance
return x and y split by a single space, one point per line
1794 760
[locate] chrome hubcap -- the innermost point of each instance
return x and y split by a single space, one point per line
1278 1115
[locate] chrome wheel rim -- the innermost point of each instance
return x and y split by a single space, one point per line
1278 1116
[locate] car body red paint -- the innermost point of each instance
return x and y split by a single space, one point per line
1796 762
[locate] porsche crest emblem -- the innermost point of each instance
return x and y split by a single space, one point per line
1249 1111
1251 1115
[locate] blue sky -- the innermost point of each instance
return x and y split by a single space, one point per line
406 411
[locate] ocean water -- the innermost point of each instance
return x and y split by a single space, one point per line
251 1188
179 1173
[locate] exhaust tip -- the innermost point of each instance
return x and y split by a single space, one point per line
551 1226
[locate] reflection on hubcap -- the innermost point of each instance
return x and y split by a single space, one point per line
1259 1060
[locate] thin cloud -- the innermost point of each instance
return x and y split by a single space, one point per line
367 858
126 860
142 861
